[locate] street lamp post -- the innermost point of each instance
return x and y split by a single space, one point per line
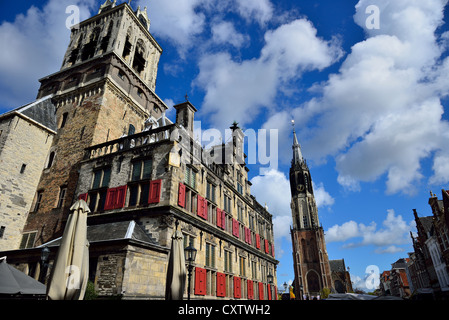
44 265
190 255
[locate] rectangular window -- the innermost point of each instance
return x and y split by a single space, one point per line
2 231
142 170
190 177
97 200
210 192
191 200
254 269
101 178
210 255
242 266
38 200
240 182
22 169
28 240
61 198
227 261
227 204
240 211
211 213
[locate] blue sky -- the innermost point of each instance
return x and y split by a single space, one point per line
368 103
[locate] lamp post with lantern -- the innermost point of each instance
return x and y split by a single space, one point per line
190 255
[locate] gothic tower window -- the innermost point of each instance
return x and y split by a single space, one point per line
105 40
128 45
139 57
89 48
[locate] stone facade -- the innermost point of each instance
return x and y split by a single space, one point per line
233 236
25 139
98 98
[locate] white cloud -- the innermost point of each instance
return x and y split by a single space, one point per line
277 199
289 51
224 32
381 114
395 232
176 20
322 197
259 10
342 232
390 249
36 42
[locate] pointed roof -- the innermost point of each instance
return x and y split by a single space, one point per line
297 154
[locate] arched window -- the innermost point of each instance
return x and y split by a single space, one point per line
63 120
139 57
89 48
131 130
51 158
128 45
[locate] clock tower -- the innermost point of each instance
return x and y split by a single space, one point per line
311 262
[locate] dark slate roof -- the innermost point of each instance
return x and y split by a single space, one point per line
42 111
111 231
337 265
426 223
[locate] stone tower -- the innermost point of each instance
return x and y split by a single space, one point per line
311 263
104 90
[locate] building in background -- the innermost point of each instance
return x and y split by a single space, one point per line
310 259
341 279
26 135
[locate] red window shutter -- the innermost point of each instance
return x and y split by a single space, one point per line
221 284
275 292
237 288
182 195
120 197
200 281
110 201
83 196
201 208
272 249
266 246
269 291
235 227
249 236
261 291
218 217
250 289
155 191
257 241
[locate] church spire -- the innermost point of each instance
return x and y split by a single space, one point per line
297 155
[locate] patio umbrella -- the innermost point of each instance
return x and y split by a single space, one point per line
69 275
13 281
176 270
